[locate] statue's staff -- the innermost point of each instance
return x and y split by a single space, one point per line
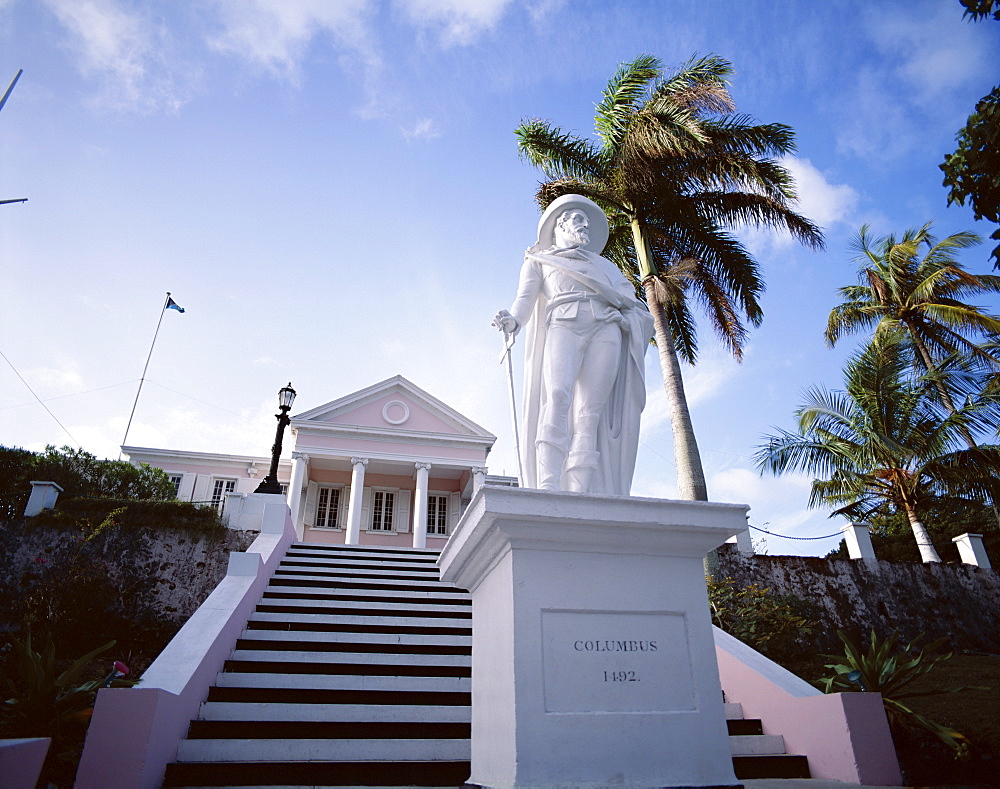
508 343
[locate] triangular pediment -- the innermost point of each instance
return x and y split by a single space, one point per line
395 404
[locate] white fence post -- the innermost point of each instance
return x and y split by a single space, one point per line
43 497
972 550
859 542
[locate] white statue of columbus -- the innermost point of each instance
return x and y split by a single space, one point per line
585 337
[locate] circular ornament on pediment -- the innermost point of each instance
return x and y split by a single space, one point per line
395 412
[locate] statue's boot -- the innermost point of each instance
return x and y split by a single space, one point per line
551 458
581 466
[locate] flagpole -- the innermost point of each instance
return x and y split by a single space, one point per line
166 301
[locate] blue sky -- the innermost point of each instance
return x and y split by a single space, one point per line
332 191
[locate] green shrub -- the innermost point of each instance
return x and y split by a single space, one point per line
78 473
887 669
773 624
88 514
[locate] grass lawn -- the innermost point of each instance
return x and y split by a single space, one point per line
975 713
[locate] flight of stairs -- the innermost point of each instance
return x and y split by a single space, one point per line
354 670
759 755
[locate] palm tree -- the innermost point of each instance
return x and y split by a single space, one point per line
675 169
921 298
886 443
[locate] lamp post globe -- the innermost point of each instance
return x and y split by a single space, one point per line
286 396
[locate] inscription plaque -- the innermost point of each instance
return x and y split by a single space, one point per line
616 661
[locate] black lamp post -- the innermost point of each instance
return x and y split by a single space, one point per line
286 396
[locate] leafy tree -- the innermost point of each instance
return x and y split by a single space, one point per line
899 291
980 9
676 169
772 624
885 442
972 172
78 473
922 299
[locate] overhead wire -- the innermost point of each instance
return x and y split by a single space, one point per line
42 404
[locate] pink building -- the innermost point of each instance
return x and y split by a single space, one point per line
388 465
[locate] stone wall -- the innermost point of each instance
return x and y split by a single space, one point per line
173 570
959 601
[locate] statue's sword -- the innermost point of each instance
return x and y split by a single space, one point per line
508 343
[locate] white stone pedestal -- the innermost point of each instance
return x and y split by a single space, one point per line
593 662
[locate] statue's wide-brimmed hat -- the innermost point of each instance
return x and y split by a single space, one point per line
597 219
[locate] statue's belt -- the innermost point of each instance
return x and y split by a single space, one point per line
569 298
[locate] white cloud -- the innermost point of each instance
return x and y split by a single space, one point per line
819 200
56 381
423 129
934 52
925 60
542 10
822 202
276 34
460 21
123 48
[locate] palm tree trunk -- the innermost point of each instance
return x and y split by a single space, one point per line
925 357
924 544
690 474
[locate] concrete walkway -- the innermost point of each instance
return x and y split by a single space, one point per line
801 783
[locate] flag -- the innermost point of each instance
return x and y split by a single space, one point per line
173 305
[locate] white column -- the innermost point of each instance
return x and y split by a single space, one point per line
420 506
478 477
859 542
357 491
971 549
300 472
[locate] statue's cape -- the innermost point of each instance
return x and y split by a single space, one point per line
618 429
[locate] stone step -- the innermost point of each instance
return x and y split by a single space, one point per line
284 588
295 730
313 647
458 608
318 774
373 699
756 745
779 767
745 726
344 667
416 554
332 565
347 581
335 713
369 623
361 641
348 683
327 750
733 710
356 658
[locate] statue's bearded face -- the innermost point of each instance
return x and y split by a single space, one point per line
572 229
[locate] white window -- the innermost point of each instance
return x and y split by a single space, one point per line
383 504
220 488
328 508
437 514
175 480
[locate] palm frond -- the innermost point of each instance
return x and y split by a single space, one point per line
557 153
